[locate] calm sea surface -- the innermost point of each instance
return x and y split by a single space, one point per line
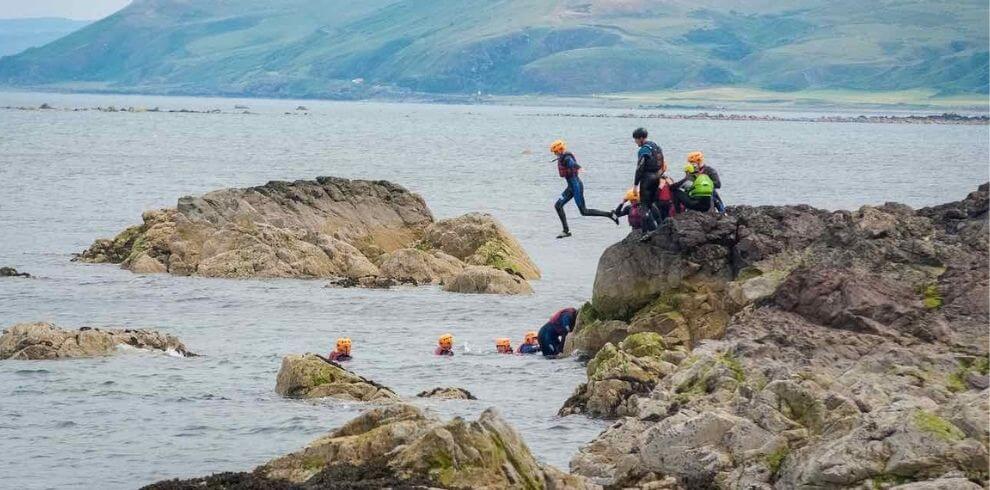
67 178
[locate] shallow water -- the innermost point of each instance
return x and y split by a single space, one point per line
67 178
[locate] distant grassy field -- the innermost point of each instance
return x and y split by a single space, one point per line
747 97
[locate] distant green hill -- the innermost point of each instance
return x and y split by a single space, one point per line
16 35
346 49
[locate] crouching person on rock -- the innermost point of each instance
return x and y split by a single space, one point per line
445 345
554 332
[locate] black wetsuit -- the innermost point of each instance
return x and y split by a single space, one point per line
648 170
554 332
568 169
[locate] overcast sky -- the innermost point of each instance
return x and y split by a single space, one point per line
73 9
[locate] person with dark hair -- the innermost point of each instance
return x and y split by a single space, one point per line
568 168
650 166
554 332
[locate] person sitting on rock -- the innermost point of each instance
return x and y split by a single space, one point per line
697 159
568 169
445 345
630 207
530 344
695 190
342 352
503 345
554 332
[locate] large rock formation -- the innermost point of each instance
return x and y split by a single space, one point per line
311 376
852 351
478 279
366 232
399 446
28 341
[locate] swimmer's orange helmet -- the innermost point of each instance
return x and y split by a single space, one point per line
446 341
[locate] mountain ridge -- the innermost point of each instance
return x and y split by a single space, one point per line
335 49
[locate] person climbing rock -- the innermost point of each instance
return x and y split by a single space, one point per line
445 345
650 165
568 169
695 190
554 332
697 159
630 207
503 345
530 345
342 352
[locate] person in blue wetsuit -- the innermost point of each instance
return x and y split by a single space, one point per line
531 344
554 332
568 169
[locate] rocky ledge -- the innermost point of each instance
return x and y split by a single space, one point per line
369 233
312 376
400 446
12 272
447 394
30 341
791 347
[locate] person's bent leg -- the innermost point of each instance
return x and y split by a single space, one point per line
578 187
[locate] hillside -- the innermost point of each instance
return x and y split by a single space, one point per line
341 49
16 35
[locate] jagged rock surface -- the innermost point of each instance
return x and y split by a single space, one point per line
852 351
32 341
447 394
311 376
359 233
407 448
476 279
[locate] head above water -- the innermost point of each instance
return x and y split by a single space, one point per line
446 341
558 147
640 135
503 344
344 345
531 338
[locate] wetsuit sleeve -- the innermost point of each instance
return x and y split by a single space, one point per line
713 174
639 167
570 162
678 184
620 210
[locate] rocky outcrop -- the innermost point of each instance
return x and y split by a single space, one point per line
399 446
851 351
479 239
312 376
476 279
447 394
12 272
31 341
361 233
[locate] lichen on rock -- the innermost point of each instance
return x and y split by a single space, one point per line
311 376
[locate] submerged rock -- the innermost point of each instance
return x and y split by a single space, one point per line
31 341
447 394
487 280
357 232
12 272
312 376
852 351
400 446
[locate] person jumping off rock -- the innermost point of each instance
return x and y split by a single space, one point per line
530 344
342 352
445 345
568 169
553 334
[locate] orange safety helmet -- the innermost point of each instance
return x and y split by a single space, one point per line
503 345
530 337
344 345
696 157
446 341
558 147
632 195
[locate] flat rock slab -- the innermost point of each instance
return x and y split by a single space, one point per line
31 341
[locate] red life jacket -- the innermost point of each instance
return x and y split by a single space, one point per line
635 220
562 167
665 194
